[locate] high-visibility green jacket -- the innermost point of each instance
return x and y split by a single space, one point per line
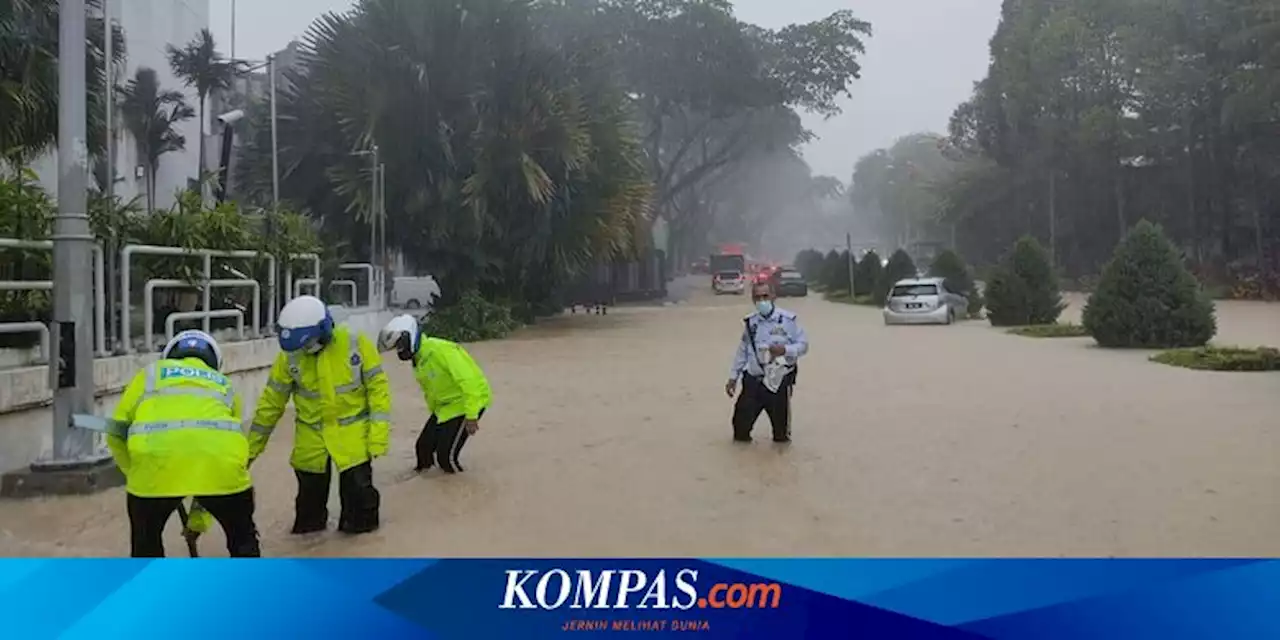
342 400
177 433
451 381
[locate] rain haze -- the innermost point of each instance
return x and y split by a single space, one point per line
921 61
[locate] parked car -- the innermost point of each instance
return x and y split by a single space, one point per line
923 301
790 283
414 292
729 282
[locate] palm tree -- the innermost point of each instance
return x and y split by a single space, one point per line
201 66
29 77
151 115
511 161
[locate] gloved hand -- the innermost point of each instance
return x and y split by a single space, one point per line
198 520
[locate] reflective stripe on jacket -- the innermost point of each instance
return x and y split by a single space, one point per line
452 383
179 433
342 400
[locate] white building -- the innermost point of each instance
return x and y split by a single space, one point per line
150 26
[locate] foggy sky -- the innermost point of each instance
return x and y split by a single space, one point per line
921 62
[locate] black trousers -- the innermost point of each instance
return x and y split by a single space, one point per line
442 442
358 497
754 398
148 516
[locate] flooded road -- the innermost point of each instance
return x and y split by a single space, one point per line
610 436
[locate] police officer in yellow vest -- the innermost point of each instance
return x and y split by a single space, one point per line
177 433
343 404
455 388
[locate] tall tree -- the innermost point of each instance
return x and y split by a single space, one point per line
199 65
152 114
29 77
511 161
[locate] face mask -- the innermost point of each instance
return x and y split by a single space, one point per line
765 307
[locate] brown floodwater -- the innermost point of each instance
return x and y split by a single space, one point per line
610 436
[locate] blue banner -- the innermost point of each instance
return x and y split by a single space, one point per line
514 598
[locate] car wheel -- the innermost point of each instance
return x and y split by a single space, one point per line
413 304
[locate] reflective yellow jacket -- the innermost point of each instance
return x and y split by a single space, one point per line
452 383
342 400
178 433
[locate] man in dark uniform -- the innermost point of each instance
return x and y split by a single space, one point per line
771 344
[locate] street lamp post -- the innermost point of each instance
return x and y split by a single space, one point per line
275 139
71 367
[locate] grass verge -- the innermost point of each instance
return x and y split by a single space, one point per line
1050 331
1212 358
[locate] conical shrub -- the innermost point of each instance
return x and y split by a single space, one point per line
867 275
1024 289
1147 298
956 277
900 267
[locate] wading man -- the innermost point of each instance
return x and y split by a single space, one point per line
769 348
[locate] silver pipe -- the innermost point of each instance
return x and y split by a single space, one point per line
196 315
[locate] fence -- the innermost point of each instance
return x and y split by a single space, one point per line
99 299
205 284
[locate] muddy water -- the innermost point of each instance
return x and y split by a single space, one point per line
610 436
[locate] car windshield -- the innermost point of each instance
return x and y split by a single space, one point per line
790 275
904 290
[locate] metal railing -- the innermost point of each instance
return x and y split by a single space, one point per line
355 289
292 288
33 326
206 313
374 276
174 318
148 298
99 294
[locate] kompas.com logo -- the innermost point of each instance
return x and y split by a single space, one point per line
630 588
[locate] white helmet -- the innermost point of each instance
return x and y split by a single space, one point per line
402 334
194 344
305 325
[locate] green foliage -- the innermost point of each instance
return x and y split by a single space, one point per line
1024 289
26 212
201 67
152 115
899 184
1057 330
470 319
1095 112
951 267
835 272
29 78
1147 298
900 267
809 263
868 274
1210 358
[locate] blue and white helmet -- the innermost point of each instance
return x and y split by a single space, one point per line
403 334
194 344
305 325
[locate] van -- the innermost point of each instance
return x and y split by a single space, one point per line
414 292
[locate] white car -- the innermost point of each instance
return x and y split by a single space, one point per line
729 282
414 292
923 301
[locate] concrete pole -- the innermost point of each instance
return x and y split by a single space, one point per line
71 368
233 29
382 229
373 212
848 247
275 175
